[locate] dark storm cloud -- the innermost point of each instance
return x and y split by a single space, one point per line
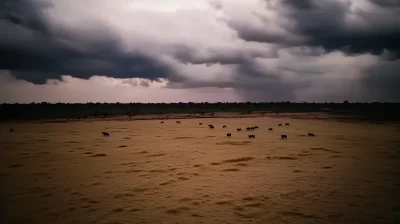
302 72
24 13
251 82
303 4
325 23
332 32
387 3
186 54
305 37
249 33
381 83
144 83
258 85
307 51
33 51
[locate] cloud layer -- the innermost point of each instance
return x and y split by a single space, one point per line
254 50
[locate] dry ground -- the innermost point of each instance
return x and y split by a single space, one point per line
147 172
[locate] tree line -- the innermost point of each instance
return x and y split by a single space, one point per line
44 110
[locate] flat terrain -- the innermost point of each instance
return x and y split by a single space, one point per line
148 172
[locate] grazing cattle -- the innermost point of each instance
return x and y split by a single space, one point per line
255 126
286 124
228 135
224 126
11 130
251 136
311 134
211 127
279 125
162 122
200 123
178 122
284 136
105 133
248 129
252 128
270 129
238 129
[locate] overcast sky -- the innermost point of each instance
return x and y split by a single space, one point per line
199 50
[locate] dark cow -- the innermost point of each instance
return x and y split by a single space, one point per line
311 134
256 127
284 136
286 124
11 130
200 123
105 134
162 122
228 135
270 129
248 129
252 128
238 129
224 126
251 136
178 122
211 127
279 125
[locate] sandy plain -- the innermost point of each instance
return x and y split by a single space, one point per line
148 172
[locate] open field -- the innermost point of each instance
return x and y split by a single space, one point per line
147 172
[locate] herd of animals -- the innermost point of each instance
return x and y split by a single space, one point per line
210 126
250 136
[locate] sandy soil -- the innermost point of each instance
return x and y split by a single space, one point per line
255 114
148 172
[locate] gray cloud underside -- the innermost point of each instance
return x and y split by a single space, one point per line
35 52
381 83
330 24
33 49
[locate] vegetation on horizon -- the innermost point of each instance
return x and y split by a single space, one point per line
380 111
